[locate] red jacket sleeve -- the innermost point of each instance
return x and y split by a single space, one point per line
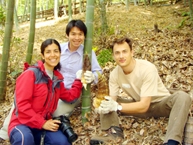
23 96
73 93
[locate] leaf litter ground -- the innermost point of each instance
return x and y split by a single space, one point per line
170 50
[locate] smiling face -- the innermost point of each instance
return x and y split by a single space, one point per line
51 56
122 54
76 38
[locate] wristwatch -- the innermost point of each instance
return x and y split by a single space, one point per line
119 107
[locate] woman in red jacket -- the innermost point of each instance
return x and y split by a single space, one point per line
36 96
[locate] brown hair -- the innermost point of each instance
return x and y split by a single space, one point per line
121 41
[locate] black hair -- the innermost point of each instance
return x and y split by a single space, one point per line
49 42
121 41
76 23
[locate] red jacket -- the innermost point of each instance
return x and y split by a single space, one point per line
36 96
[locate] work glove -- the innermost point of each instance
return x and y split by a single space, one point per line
79 74
98 110
107 105
89 77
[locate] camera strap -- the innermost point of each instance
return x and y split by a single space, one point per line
42 137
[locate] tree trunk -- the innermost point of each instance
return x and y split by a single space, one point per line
86 95
15 16
25 12
56 9
6 47
32 32
104 25
74 7
2 2
80 8
40 8
47 5
191 9
16 19
127 4
135 3
69 10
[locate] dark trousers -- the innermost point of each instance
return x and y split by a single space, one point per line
176 107
23 135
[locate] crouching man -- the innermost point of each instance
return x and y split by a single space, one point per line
140 80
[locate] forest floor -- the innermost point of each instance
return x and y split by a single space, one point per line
170 50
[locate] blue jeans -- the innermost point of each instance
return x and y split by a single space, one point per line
24 135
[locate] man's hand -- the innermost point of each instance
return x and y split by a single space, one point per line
89 76
51 125
107 106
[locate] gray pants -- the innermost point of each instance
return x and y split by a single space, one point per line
62 109
176 107
65 108
4 129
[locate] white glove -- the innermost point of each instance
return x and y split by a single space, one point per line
89 77
108 105
79 74
98 110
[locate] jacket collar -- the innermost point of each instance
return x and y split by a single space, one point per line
40 65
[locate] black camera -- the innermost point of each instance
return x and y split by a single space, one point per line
66 128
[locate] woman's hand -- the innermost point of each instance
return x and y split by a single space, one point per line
51 125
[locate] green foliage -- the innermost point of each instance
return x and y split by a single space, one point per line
104 56
1 36
182 23
186 21
95 49
16 40
185 14
110 30
2 16
15 73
